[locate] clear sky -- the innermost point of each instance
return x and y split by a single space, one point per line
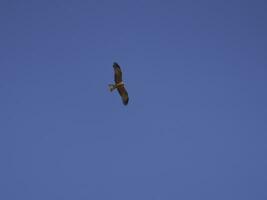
196 123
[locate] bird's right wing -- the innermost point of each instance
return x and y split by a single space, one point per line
117 73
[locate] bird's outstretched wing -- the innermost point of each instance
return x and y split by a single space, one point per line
117 73
124 94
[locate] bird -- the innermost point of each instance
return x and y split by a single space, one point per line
119 84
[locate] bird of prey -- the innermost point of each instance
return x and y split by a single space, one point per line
119 85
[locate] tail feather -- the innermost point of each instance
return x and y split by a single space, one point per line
111 87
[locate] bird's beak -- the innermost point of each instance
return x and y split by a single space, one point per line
111 87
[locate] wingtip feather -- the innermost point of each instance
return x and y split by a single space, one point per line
116 65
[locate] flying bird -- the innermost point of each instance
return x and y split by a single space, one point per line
119 85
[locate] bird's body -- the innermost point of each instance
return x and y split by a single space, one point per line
119 84
115 86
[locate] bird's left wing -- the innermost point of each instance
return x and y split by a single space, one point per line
124 95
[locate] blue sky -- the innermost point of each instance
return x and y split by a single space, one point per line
196 123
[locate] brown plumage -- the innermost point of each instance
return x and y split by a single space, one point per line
119 85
